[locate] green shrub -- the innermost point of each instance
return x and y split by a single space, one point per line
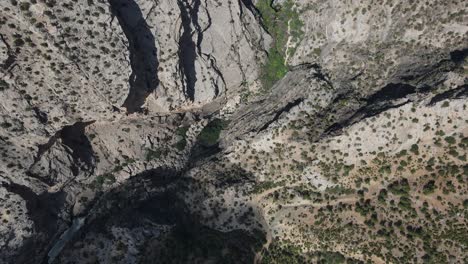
405 203
263 186
278 254
328 257
107 178
3 85
19 42
24 6
340 190
451 140
181 144
402 153
273 70
382 197
429 187
152 154
464 142
182 132
6 125
399 187
415 149
209 135
387 169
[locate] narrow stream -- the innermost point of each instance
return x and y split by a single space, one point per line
65 238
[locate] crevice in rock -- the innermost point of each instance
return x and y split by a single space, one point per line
208 15
187 48
193 11
362 113
11 55
258 14
214 65
45 147
251 7
424 80
78 144
382 100
41 116
459 92
318 74
434 73
258 17
391 91
278 114
75 139
211 58
143 53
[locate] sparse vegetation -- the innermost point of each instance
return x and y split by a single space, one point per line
283 23
348 171
107 178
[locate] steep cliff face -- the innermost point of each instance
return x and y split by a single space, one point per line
232 131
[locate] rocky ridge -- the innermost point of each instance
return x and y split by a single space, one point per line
112 111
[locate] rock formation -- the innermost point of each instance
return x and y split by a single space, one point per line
191 131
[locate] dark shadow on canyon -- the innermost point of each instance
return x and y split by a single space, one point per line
154 198
143 53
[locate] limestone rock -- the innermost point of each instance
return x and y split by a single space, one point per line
134 130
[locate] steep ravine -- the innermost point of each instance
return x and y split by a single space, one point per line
187 47
206 185
143 53
154 199
165 187
74 141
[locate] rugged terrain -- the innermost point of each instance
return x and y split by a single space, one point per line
190 131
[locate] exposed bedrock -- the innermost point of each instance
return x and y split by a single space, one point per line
342 102
65 156
205 160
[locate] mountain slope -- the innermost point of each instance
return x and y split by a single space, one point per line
233 131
